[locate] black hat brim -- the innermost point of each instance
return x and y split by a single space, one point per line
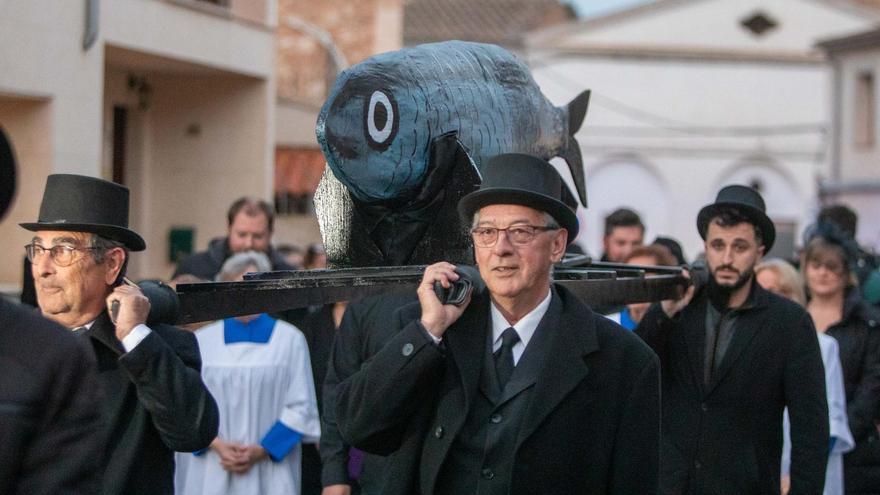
471 203
756 216
131 239
7 175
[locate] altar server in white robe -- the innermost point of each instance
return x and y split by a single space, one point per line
258 370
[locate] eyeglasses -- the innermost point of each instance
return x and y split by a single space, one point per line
518 234
832 266
61 254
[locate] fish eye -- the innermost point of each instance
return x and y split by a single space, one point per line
381 120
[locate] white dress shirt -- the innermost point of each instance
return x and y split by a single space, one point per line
135 337
525 327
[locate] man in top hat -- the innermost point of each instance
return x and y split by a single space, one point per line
522 389
734 356
154 401
49 416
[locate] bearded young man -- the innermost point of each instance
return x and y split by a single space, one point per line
733 357
250 223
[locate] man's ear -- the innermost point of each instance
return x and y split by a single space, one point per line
560 242
115 259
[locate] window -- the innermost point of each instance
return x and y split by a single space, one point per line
759 23
864 111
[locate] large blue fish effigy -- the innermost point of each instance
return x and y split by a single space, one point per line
400 127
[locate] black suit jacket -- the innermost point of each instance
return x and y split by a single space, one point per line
592 426
726 437
50 421
365 329
154 404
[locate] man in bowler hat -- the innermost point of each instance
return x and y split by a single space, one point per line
154 400
521 389
49 417
734 356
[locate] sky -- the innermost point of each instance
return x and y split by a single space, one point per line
592 8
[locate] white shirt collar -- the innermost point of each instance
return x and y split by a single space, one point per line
525 327
87 325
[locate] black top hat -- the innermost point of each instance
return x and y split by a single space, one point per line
747 201
7 174
77 203
518 179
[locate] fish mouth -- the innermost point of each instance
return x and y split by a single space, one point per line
344 146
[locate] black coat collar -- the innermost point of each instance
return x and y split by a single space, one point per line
104 331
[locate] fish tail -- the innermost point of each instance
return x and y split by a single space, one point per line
577 110
572 156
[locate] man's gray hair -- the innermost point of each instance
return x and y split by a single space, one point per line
102 245
548 220
237 263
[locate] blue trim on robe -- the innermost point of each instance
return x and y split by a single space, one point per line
258 331
280 441
201 452
626 321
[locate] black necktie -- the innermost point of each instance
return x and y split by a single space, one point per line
504 356
79 330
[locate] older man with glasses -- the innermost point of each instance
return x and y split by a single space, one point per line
154 401
521 389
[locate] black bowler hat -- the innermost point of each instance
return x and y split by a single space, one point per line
77 203
7 174
747 201
518 179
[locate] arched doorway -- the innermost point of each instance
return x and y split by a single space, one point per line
623 182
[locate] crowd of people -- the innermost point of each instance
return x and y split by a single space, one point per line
763 377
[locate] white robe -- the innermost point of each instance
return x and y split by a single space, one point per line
839 425
254 385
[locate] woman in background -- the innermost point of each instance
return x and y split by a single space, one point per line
779 277
838 310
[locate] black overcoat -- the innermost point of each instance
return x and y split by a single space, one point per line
365 329
726 437
50 422
207 264
858 335
592 425
154 404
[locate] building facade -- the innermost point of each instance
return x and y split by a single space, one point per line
172 98
689 96
853 176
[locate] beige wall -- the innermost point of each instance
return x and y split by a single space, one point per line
27 125
203 143
208 71
169 30
41 56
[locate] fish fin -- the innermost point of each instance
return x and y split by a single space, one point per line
572 156
577 110
568 198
